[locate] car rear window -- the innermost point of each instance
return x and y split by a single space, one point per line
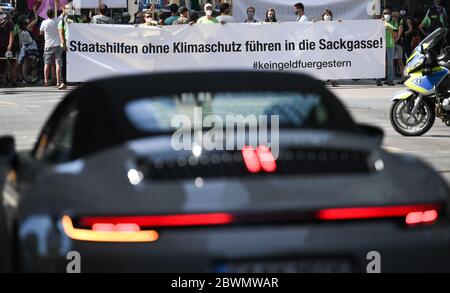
162 114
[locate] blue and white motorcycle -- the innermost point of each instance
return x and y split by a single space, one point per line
414 110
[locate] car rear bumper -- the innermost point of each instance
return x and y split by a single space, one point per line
334 246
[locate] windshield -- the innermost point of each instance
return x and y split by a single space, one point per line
290 110
431 39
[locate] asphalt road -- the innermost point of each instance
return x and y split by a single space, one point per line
23 111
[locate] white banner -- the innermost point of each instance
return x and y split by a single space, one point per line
326 50
342 9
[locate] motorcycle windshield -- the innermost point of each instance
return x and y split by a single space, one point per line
431 40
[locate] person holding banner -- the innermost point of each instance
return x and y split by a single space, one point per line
270 16
300 12
208 18
391 29
251 15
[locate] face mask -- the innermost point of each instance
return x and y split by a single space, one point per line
296 12
403 12
387 17
209 12
148 19
250 15
327 18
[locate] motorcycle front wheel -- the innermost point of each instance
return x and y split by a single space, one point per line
412 125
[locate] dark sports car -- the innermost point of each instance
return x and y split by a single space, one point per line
124 175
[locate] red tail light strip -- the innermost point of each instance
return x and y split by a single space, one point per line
373 212
413 214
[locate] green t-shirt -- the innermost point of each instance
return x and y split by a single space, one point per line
391 26
63 25
205 20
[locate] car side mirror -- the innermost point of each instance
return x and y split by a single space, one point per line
373 132
7 149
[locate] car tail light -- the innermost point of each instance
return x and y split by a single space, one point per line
260 159
413 214
140 228
127 232
162 220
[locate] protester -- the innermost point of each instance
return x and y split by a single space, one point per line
208 18
52 48
300 12
125 18
26 42
162 16
6 43
435 18
174 14
391 29
398 50
225 11
327 15
251 15
193 18
270 16
102 17
184 16
68 17
148 19
406 33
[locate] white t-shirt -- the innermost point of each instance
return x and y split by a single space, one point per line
226 19
51 32
303 18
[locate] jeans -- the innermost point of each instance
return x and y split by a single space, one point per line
390 64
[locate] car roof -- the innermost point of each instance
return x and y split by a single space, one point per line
102 122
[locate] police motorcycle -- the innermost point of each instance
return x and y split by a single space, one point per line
414 111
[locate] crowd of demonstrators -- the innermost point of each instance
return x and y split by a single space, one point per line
20 35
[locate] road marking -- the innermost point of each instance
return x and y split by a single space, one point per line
392 149
8 104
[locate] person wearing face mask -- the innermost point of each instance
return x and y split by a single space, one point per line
270 16
208 18
225 17
391 30
435 18
251 15
327 15
300 12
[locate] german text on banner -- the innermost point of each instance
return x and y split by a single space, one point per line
326 50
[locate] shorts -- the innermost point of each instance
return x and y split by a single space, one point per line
52 55
398 52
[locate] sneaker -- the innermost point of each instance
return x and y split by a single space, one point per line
390 83
379 83
334 84
62 86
